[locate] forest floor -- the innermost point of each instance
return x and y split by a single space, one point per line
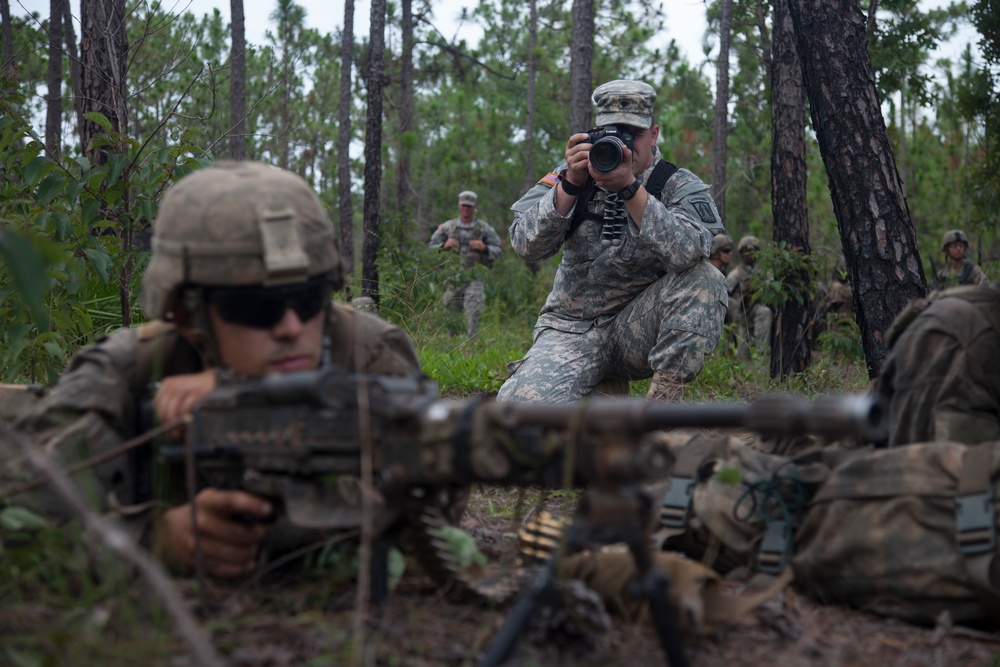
420 627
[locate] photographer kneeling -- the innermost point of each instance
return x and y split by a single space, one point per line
634 295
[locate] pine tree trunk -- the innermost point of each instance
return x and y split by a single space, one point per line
403 188
238 84
581 55
53 101
875 228
373 153
103 50
345 205
529 110
8 46
791 343
74 69
720 128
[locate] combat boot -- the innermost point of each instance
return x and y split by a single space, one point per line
665 387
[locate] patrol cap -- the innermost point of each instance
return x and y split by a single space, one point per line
625 102
953 236
467 197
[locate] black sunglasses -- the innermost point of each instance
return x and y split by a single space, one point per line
725 249
264 307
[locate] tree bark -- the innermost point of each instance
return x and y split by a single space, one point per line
53 101
103 48
238 84
791 345
529 108
720 128
8 36
403 188
345 205
875 227
581 56
373 152
74 70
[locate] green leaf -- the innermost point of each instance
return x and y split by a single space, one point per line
100 119
463 546
729 476
116 165
55 349
91 207
100 261
50 187
36 169
21 518
28 269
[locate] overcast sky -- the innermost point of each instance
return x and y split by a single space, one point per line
685 19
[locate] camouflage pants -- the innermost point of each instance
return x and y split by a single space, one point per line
754 328
669 327
471 298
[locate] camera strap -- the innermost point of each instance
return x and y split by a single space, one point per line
657 181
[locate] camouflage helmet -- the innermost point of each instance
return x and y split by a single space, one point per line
720 241
952 236
748 243
237 223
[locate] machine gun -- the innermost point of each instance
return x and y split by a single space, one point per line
295 439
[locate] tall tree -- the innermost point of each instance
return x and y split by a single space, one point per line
238 84
405 137
373 152
344 204
103 50
74 70
53 101
875 228
291 22
720 131
791 344
8 35
529 100
582 53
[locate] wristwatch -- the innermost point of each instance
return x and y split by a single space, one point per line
628 192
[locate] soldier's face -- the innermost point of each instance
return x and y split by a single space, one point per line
956 250
289 345
466 212
643 141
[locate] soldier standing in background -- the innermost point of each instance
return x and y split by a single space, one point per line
477 243
957 269
753 319
722 252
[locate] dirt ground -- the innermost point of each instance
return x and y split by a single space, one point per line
421 628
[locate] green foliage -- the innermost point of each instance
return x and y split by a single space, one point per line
782 275
841 337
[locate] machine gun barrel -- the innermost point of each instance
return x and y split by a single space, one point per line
828 416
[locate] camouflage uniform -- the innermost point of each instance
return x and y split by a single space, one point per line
941 377
651 304
468 293
256 225
753 319
967 273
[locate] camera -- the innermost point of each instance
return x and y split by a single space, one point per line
606 151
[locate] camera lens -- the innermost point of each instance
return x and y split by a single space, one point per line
606 153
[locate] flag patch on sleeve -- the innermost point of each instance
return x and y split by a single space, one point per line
550 179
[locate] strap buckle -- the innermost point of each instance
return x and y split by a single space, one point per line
975 524
775 548
676 506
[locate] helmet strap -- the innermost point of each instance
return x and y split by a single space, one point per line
199 328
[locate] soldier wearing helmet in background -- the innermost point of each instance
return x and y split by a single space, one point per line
476 242
753 319
957 269
722 252
242 270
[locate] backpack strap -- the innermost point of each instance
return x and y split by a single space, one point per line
975 521
654 186
963 278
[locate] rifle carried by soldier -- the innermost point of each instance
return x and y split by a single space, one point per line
297 439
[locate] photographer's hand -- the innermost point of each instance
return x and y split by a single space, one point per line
577 170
